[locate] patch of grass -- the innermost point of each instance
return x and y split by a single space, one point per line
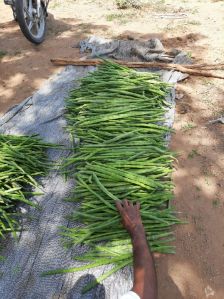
215 203
193 153
188 126
119 17
2 53
159 6
193 22
189 54
113 16
123 4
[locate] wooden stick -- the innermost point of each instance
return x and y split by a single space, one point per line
93 62
189 69
205 66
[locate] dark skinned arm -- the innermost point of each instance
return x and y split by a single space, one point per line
145 281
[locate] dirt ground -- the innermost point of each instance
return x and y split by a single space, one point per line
197 268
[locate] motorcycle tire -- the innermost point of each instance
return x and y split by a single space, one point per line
14 12
20 16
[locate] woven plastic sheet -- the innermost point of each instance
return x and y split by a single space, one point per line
39 247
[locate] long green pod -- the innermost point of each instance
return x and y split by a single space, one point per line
22 159
117 116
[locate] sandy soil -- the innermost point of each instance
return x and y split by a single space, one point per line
197 268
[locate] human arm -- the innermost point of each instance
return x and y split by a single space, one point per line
145 281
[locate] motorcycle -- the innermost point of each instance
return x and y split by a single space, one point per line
31 16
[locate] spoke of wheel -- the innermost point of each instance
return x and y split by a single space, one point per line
30 7
28 13
30 26
37 28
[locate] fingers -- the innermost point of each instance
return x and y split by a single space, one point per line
126 204
130 204
137 206
119 205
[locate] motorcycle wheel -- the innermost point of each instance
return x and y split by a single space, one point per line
32 26
14 12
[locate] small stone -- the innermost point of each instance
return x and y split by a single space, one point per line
155 44
182 58
175 52
179 96
209 292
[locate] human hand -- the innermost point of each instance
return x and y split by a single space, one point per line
130 214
